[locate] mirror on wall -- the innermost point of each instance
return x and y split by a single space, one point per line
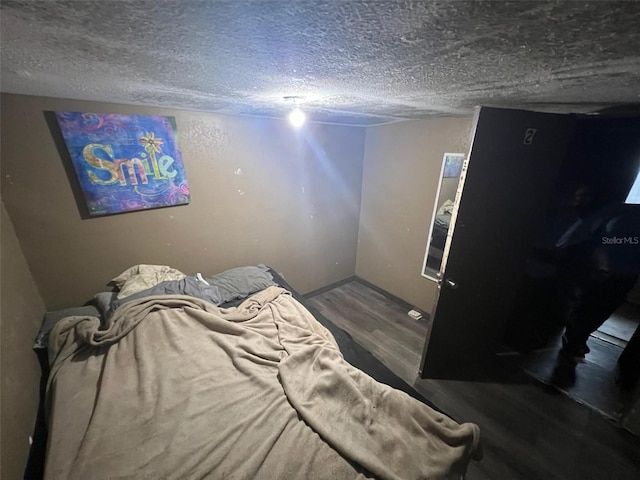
452 165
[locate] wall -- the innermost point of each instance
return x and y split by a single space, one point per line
21 312
261 192
400 177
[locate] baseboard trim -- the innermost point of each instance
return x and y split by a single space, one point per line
403 303
354 278
331 286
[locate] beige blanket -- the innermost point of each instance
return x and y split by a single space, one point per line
177 388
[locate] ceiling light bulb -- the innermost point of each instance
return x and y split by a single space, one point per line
297 118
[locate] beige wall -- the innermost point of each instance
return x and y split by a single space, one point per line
401 169
261 192
21 313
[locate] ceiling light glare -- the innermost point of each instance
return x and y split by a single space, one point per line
297 118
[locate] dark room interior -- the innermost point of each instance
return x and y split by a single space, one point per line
320 239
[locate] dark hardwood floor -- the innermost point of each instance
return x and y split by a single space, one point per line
619 328
376 322
595 383
528 431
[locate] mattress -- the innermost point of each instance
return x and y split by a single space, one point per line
174 386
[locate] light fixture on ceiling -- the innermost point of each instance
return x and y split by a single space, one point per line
296 116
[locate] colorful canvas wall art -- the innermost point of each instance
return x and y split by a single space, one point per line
125 162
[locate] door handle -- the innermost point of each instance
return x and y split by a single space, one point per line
451 284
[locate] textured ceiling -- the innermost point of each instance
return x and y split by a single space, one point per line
354 62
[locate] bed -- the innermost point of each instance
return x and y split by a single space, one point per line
228 376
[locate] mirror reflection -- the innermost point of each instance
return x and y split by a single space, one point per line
443 210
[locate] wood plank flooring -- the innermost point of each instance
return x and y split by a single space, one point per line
377 323
619 328
595 383
528 431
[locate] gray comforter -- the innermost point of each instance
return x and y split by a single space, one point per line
177 388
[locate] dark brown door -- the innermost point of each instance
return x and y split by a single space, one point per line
512 166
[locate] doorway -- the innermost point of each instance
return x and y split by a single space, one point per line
505 180
601 165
